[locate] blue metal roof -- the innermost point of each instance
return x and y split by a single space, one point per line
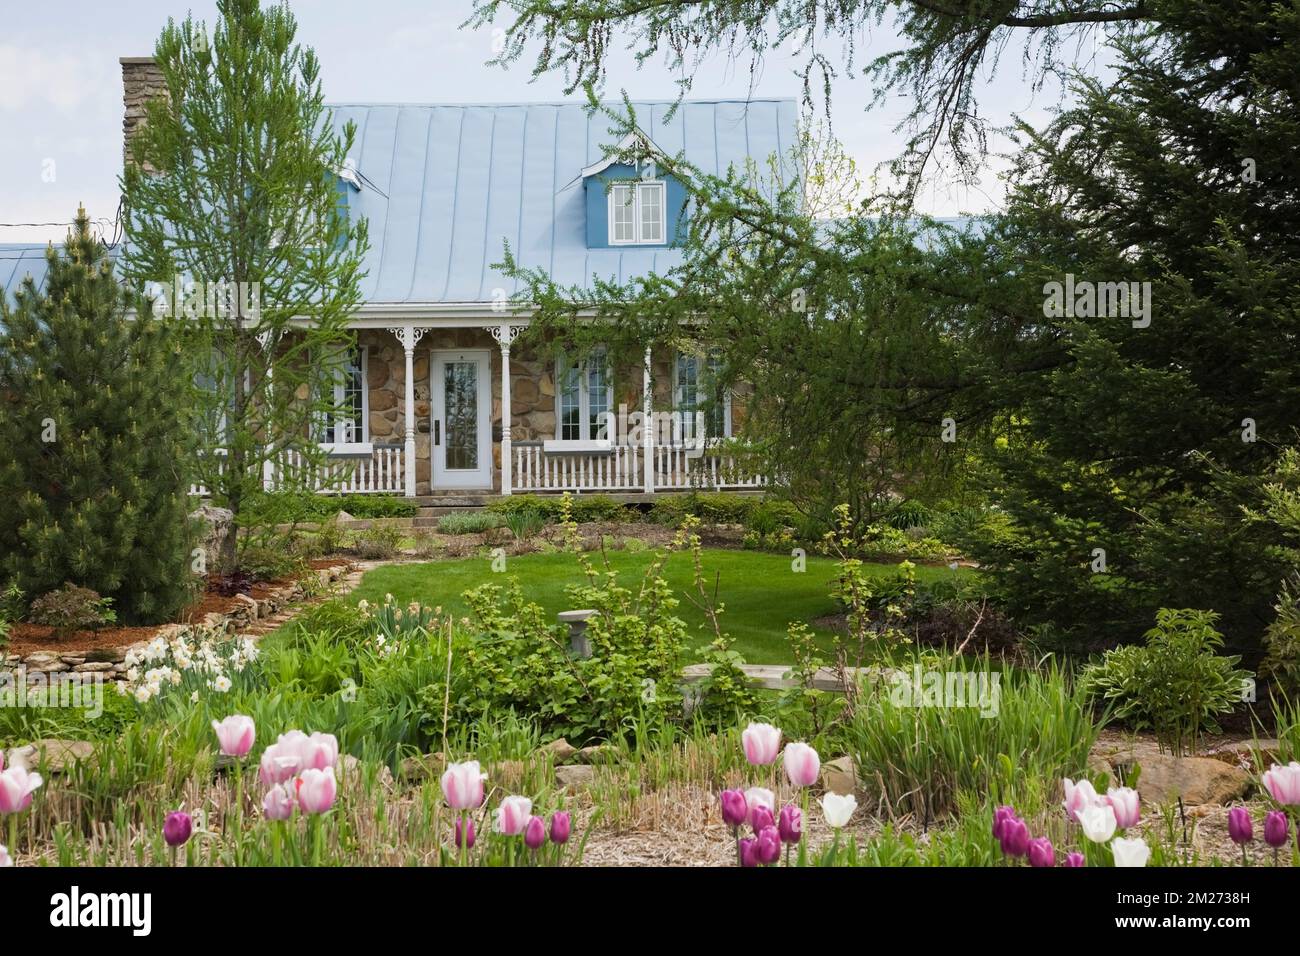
17 260
447 186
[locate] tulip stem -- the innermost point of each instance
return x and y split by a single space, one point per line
735 835
13 833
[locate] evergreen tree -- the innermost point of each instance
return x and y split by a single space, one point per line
93 476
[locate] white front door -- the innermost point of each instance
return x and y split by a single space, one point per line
462 426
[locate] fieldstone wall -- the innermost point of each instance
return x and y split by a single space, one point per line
141 82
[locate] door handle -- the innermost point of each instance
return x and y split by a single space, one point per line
437 431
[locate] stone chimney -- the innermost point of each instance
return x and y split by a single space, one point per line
141 82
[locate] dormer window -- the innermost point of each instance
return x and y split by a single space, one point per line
636 213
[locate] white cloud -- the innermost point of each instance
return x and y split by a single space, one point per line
31 78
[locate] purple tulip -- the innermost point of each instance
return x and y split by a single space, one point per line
535 833
734 809
465 833
761 817
561 827
1074 859
749 851
1015 837
177 828
768 848
790 826
1240 827
1041 853
1000 816
1276 829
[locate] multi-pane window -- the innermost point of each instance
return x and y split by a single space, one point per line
348 423
636 213
585 397
695 390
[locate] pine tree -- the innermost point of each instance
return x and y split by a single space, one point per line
93 477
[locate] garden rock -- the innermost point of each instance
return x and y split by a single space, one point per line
601 753
575 776
840 776
424 767
54 755
215 529
1197 780
560 750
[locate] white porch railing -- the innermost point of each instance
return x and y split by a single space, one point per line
382 473
621 469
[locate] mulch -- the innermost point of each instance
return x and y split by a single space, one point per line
25 639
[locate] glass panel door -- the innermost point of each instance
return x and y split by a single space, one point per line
461 449
460 388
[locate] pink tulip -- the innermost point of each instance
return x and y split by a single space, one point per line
462 785
1074 859
535 833
283 759
465 833
769 846
791 824
734 809
1000 817
760 818
561 827
1041 853
318 751
762 742
1283 783
513 814
759 797
16 789
1126 804
749 851
5 859
235 735
278 803
177 828
1078 797
802 765
317 790
1276 829
1015 837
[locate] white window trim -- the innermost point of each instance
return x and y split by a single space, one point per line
637 185
361 443
701 397
584 404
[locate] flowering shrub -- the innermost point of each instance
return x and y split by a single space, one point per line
191 663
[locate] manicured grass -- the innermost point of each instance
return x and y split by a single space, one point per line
761 593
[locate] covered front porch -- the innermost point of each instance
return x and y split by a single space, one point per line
428 399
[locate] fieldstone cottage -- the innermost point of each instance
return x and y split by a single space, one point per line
434 378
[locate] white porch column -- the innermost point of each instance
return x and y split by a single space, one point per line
647 421
409 335
505 336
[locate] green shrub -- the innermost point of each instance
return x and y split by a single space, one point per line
13 602
469 522
524 523
283 507
908 514
71 608
1176 684
916 752
378 542
1281 662
270 562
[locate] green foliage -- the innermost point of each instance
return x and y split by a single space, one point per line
584 508
469 522
909 514
71 608
1281 662
93 474
1175 685
289 506
918 753
525 523
378 542
271 563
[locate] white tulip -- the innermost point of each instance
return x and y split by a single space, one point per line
1098 822
837 809
4 858
1130 852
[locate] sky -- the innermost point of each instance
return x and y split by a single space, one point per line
61 91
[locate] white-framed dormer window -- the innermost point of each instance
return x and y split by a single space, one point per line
637 210
350 424
694 377
584 397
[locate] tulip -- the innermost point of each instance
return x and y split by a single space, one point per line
318 751
762 742
790 825
462 785
4 851
465 833
1041 853
278 803
734 809
177 828
1098 822
317 790
760 818
16 789
1078 797
283 759
1130 852
1074 859
1240 827
235 735
1000 816
749 851
561 827
535 833
838 809
768 848
1015 837
802 765
756 797
1127 806
513 814
1275 829
1283 783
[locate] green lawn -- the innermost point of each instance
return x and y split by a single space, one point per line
761 592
